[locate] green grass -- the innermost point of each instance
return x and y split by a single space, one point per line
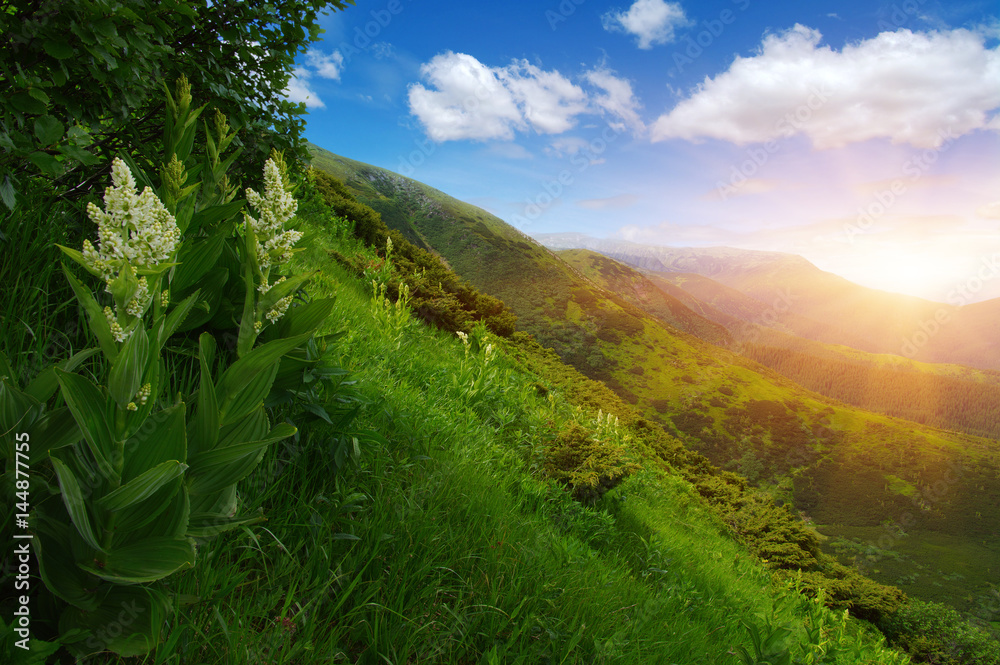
829 459
440 545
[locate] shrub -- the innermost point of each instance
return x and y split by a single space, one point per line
588 464
936 633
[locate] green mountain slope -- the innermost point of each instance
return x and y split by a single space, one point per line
645 294
951 397
851 471
842 312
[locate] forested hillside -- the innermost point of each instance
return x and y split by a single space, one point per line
848 470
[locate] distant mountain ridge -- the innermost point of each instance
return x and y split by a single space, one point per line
797 297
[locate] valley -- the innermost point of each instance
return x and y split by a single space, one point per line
863 479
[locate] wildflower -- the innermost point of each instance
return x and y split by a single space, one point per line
133 229
464 337
140 301
116 329
279 309
143 393
165 298
275 207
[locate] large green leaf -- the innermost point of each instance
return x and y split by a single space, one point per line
210 290
145 561
204 432
88 406
127 621
143 486
247 334
251 396
44 386
48 130
75 505
243 371
279 291
221 467
128 370
306 318
175 318
207 525
251 428
18 411
95 315
130 521
195 259
57 564
160 439
54 430
171 522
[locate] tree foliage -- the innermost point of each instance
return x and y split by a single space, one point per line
83 80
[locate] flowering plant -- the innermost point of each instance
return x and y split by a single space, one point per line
137 480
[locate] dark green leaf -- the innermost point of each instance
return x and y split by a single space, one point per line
160 439
48 130
72 497
146 561
58 48
127 622
143 486
48 164
88 406
128 370
27 103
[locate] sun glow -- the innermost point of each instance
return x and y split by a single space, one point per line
899 270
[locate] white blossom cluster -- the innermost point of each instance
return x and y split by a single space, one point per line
134 229
274 208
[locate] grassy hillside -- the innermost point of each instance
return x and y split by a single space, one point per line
845 468
644 293
947 396
443 541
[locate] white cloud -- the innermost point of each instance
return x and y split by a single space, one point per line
472 101
298 89
327 65
905 86
617 98
469 102
650 21
548 101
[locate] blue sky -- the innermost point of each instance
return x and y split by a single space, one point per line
862 135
